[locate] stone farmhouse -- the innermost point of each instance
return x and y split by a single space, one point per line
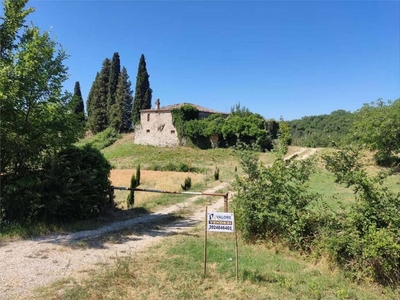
156 126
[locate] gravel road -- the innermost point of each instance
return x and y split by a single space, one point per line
31 263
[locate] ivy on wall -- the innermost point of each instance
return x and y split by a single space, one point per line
182 115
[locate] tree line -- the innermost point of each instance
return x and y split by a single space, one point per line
375 126
110 102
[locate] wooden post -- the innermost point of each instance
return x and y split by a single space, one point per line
205 244
226 202
237 254
111 196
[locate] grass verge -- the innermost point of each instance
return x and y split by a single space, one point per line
174 270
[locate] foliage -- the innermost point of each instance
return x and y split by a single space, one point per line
181 115
78 100
377 125
120 113
102 139
200 131
366 241
284 136
187 184
130 201
109 102
138 174
73 185
273 202
176 167
36 118
115 70
98 117
216 173
143 92
321 130
249 128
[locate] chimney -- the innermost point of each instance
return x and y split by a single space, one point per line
157 104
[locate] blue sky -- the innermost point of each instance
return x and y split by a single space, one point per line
287 58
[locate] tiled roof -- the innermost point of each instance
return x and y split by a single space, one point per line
173 106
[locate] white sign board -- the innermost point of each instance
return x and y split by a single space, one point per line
221 222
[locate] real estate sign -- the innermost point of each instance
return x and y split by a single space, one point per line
220 222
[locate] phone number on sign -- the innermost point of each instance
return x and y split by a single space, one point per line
220 227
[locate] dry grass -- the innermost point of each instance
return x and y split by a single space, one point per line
166 181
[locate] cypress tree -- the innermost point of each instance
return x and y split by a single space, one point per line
77 98
143 92
98 99
115 70
121 110
89 102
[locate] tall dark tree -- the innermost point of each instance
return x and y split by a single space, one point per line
98 120
121 110
78 102
115 70
89 102
143 92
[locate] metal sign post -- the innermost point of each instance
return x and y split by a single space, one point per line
220 222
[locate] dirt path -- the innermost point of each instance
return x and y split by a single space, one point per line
27 264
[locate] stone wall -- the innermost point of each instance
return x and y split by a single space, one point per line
156 129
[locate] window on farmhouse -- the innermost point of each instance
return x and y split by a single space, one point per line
148 117
172 131
148 130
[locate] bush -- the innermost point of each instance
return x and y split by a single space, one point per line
172 167
216 173
130 201
104 139
76 184
273 202
21 197
187 184
72 185
366 241
138 175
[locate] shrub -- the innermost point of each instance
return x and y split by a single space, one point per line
72 185
366 240
104 139
273 202
138 175
130 201
187 184
21 196
216 173
76 184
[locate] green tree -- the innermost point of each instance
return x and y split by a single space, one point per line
89 102
78 101
115 70
98 120
322 130
37 119
143 92
121 110
247 127
377 125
